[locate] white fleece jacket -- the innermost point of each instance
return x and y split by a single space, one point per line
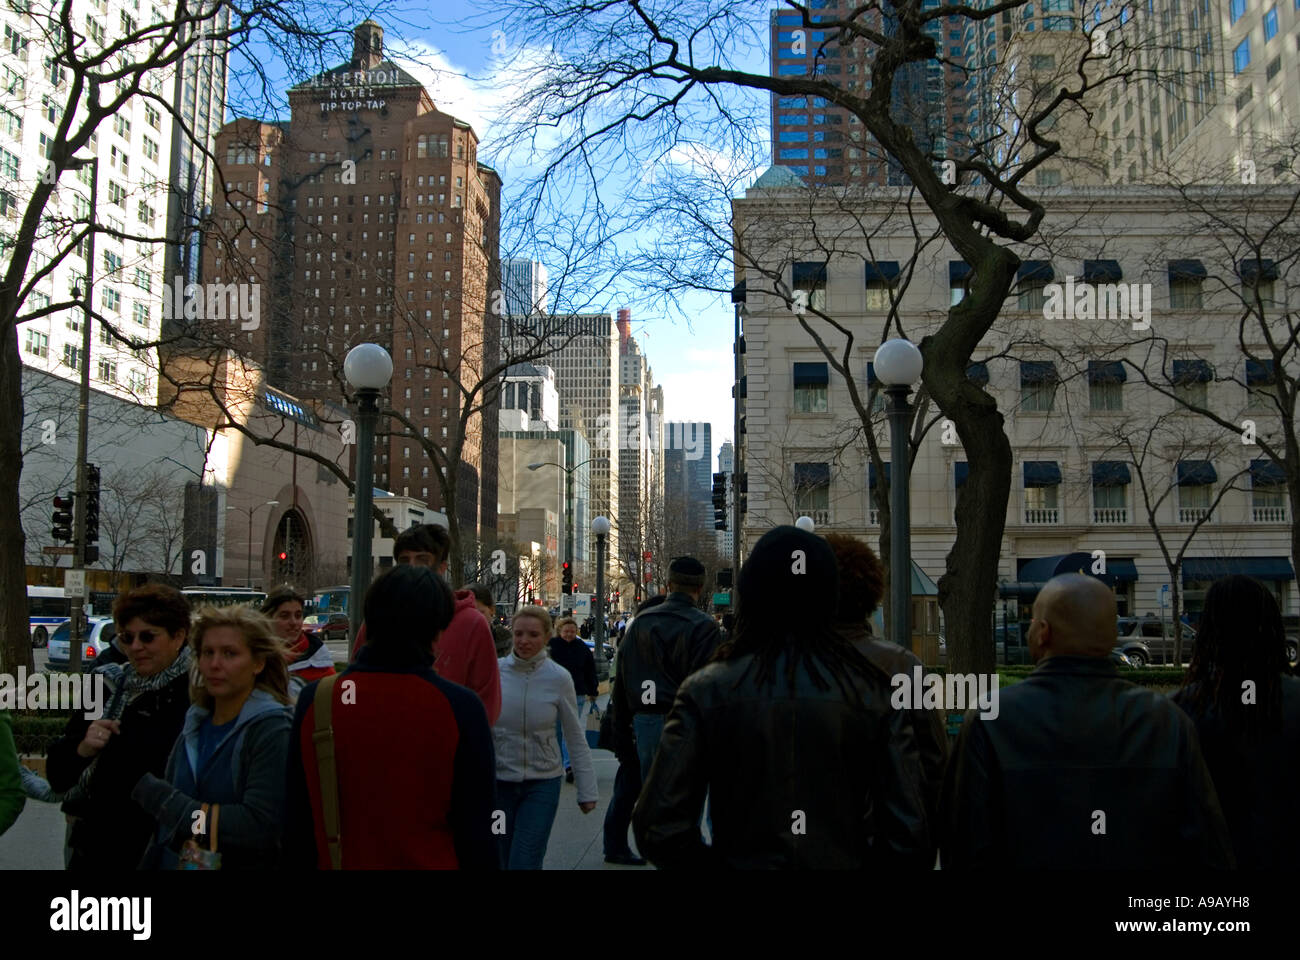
532 692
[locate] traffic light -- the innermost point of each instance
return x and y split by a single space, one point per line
568 579
283 556
92 504
719 501
63 518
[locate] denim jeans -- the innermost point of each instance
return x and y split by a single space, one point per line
649 729
559 733
618 816
530 813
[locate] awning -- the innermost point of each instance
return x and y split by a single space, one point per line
1195 473
978 374
1102 271
811 374
809 276
1252 271
1214 568
960 471
873 382
1266 473
1103 371
1192 371
738 292
1260 372
958 272
922 584
882 271
1042 569
1042 473
1184 270
1110 473
1035 271
1037 371
871 473
812 474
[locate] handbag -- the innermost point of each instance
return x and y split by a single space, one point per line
194 857
594 716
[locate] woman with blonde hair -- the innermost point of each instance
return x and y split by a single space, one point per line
535 691
221 801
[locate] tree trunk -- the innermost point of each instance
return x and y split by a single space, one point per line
16 646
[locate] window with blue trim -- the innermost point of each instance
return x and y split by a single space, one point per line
1237 10
1270 24
792 119
792 103
795 154
794 136
791 69
800 171
1241 56
819 171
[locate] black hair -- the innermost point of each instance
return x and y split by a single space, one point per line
482 594
651 602
423 538
279 597
406 608
1241 639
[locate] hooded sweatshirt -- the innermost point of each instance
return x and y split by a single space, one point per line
466 653
245 774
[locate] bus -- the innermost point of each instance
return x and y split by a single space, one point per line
221 596
329 600
47 610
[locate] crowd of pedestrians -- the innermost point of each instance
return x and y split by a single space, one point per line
229 741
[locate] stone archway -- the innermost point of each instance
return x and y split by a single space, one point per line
292 552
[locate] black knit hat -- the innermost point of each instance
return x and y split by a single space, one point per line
787 570
686 572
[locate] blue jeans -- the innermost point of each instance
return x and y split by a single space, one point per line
559 733
530 813
618 816
649 729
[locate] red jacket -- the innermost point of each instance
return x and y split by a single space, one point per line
465 653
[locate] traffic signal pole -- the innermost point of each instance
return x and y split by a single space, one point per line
83 430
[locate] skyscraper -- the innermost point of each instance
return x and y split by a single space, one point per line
688 479
524 286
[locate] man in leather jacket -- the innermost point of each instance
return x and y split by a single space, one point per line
1080 769
664 646
803 770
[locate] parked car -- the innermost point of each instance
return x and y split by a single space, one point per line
1148 640
103 631
330 627
609 649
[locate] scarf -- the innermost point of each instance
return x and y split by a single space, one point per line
124 686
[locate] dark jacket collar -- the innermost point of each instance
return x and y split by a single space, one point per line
1090 666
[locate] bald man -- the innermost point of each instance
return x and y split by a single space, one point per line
1080 769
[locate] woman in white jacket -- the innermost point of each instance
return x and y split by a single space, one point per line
534 692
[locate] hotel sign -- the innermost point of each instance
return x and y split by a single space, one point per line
354 89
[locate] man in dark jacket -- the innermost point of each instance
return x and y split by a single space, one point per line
663 647
1080 769
861 585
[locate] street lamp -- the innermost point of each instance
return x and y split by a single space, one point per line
806 524
368 367
898 365
568 506
600 527
250 511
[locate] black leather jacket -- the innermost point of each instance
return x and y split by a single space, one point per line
1073 744
810 779
929 727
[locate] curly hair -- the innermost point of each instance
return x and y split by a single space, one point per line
156 604
862 578
260 637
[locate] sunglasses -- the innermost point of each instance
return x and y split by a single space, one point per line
145 636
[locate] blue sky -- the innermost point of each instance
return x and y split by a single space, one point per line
455 50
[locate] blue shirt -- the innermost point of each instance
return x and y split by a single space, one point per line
211 734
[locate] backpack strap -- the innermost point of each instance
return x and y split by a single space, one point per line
212 834
323 739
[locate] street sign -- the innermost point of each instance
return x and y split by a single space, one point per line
1164 594
58 551
722 599
74 583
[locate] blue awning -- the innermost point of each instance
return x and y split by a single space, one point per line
1038 571
1192 371
882 271
814 374
1035 271
1183 270
960 471
809 276
1037 371
1260 372
958 272
871 473
1252 271
1042 473
1214 568
1110 473
812 474
873 382
978 374
1102 371
1266 473
738 292
1102 271
1196 473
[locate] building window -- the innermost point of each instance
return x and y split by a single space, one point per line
812 491
37 344
1241 56
1268 492
1185 294
809 285
1033 277
108 371
1042 491
1105 385
1038 382
70 354
1261 385
1110 480
1270 24
811 381
1236 10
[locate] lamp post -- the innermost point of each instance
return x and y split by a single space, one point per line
898 364
600 527
368 367
250 511
83 417
568 508
806 524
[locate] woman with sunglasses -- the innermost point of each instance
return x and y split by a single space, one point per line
145 702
